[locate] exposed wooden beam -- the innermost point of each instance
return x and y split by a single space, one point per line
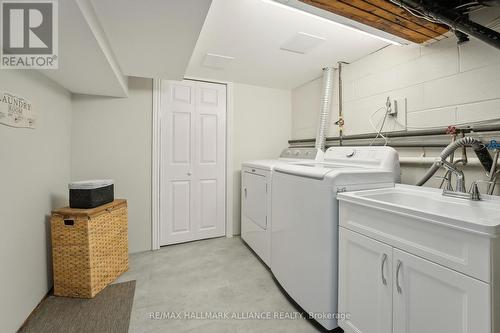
385 16
403 13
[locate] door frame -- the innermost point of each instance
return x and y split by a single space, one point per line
155 160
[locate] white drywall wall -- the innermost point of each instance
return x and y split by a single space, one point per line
111 138
261 129
306 102
34 173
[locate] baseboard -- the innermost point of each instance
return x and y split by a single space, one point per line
51 290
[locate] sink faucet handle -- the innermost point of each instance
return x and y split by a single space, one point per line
474 186
474 189
475 195
460 186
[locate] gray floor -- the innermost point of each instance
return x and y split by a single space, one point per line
218 275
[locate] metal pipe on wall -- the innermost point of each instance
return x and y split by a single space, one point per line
422 160
476 129
340 122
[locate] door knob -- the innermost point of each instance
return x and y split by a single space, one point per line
189 173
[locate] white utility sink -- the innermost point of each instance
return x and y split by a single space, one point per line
429 204
423 259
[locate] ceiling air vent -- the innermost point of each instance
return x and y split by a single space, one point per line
217 61
302 43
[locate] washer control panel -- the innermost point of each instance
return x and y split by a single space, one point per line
299 153
362 156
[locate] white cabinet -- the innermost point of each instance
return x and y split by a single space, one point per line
384 289
431 298
444 277
365 283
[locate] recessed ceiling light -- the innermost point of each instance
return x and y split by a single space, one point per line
217 61
302 43
282 4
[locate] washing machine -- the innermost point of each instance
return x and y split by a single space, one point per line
304 237
256 199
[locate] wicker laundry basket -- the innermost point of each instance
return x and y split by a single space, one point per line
89 248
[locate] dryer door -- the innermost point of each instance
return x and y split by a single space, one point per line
254 198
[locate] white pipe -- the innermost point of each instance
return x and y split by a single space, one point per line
324 113
431 160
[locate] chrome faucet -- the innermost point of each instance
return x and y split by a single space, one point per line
459 191
474 194
460 185
488 163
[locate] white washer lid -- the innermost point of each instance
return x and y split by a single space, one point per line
262 164
90 184
310 170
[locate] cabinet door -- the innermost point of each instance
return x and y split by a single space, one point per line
365 283
254 198
434 299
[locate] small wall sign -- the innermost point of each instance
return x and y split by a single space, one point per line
16 111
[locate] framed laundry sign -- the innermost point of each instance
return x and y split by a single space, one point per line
16 111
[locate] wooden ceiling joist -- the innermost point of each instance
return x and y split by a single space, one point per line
385 16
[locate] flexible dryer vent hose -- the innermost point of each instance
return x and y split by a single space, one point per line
324 113
478 147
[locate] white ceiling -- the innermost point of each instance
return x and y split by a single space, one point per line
153 38
298 4
103 41
252 31
86 63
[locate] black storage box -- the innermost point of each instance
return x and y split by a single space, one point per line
91 193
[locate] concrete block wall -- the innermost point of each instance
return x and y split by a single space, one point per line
443 83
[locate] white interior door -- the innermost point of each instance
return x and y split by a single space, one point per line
193 158
434 299
365 283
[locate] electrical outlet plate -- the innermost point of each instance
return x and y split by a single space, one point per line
394 108
397 115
